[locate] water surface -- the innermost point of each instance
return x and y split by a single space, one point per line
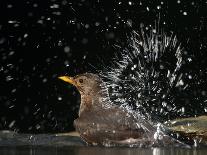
86 150
12 143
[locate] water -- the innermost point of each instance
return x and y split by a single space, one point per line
52 144
54 150
144 83
12 139
149 79
142 77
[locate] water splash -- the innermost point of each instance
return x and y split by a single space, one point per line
143 79
145 73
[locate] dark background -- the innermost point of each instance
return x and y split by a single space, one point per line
42 39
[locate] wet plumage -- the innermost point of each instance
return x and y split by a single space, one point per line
100 121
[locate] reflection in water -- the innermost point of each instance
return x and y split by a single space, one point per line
98 150
11 139
156 151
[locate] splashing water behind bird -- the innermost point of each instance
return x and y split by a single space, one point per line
146 75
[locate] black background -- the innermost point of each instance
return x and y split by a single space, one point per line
42 39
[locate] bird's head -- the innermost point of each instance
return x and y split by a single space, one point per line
86 83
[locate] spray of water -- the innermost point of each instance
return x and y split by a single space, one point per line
144 74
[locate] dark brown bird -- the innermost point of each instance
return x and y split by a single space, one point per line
102 123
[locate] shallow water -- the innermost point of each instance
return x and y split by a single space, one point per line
79 150
52 144
12 139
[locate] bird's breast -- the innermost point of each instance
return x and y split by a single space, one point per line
86 104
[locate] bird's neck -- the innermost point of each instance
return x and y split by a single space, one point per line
93 101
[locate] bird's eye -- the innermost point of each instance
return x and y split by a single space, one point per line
81 80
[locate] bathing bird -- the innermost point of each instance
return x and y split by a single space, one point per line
100 121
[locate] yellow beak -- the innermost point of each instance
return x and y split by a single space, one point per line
68 80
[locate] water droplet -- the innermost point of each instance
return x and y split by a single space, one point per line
154 30
60 43
59 98
54 6
12 106
9 6
164 104
1 68
158 7
97 23
147 8
40 21
35 5
87 26
12 21
37 126
189 59
11 53
9 78
12 124
14 90
190 76
25 35
185 13
183 109
44 80
2 40
66 49
195 142
180 83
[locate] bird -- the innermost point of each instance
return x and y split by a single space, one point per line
100 122
146 76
